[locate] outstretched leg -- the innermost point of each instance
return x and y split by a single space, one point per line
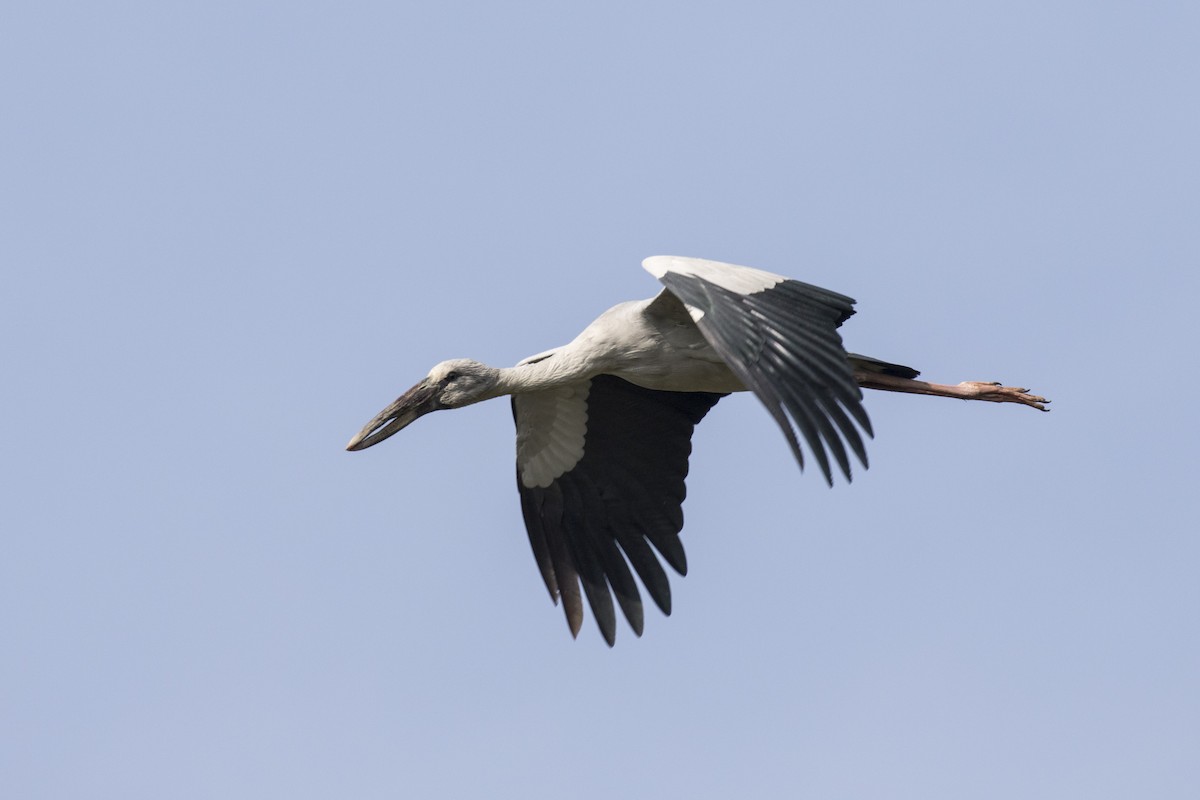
968 390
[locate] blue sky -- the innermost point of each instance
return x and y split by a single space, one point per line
232 232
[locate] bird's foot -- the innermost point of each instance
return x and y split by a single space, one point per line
967 390
997 393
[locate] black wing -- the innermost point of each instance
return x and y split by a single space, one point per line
591 516
781 340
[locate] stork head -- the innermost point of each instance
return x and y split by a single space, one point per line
451 384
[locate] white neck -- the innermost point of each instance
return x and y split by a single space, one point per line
556 370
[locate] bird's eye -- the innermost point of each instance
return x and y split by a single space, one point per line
452 375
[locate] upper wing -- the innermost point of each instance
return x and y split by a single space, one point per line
779 336
600 469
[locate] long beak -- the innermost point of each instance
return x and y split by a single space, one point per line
416 402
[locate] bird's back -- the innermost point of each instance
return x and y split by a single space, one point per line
654 344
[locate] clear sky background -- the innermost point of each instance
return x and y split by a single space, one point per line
231 232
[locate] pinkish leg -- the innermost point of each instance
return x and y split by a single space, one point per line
968 390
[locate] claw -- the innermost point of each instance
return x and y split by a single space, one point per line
999 393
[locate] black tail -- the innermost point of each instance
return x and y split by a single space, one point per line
868 364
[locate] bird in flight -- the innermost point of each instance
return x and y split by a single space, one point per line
604 424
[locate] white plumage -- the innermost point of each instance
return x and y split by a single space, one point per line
743 280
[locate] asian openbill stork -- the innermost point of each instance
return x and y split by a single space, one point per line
604 424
